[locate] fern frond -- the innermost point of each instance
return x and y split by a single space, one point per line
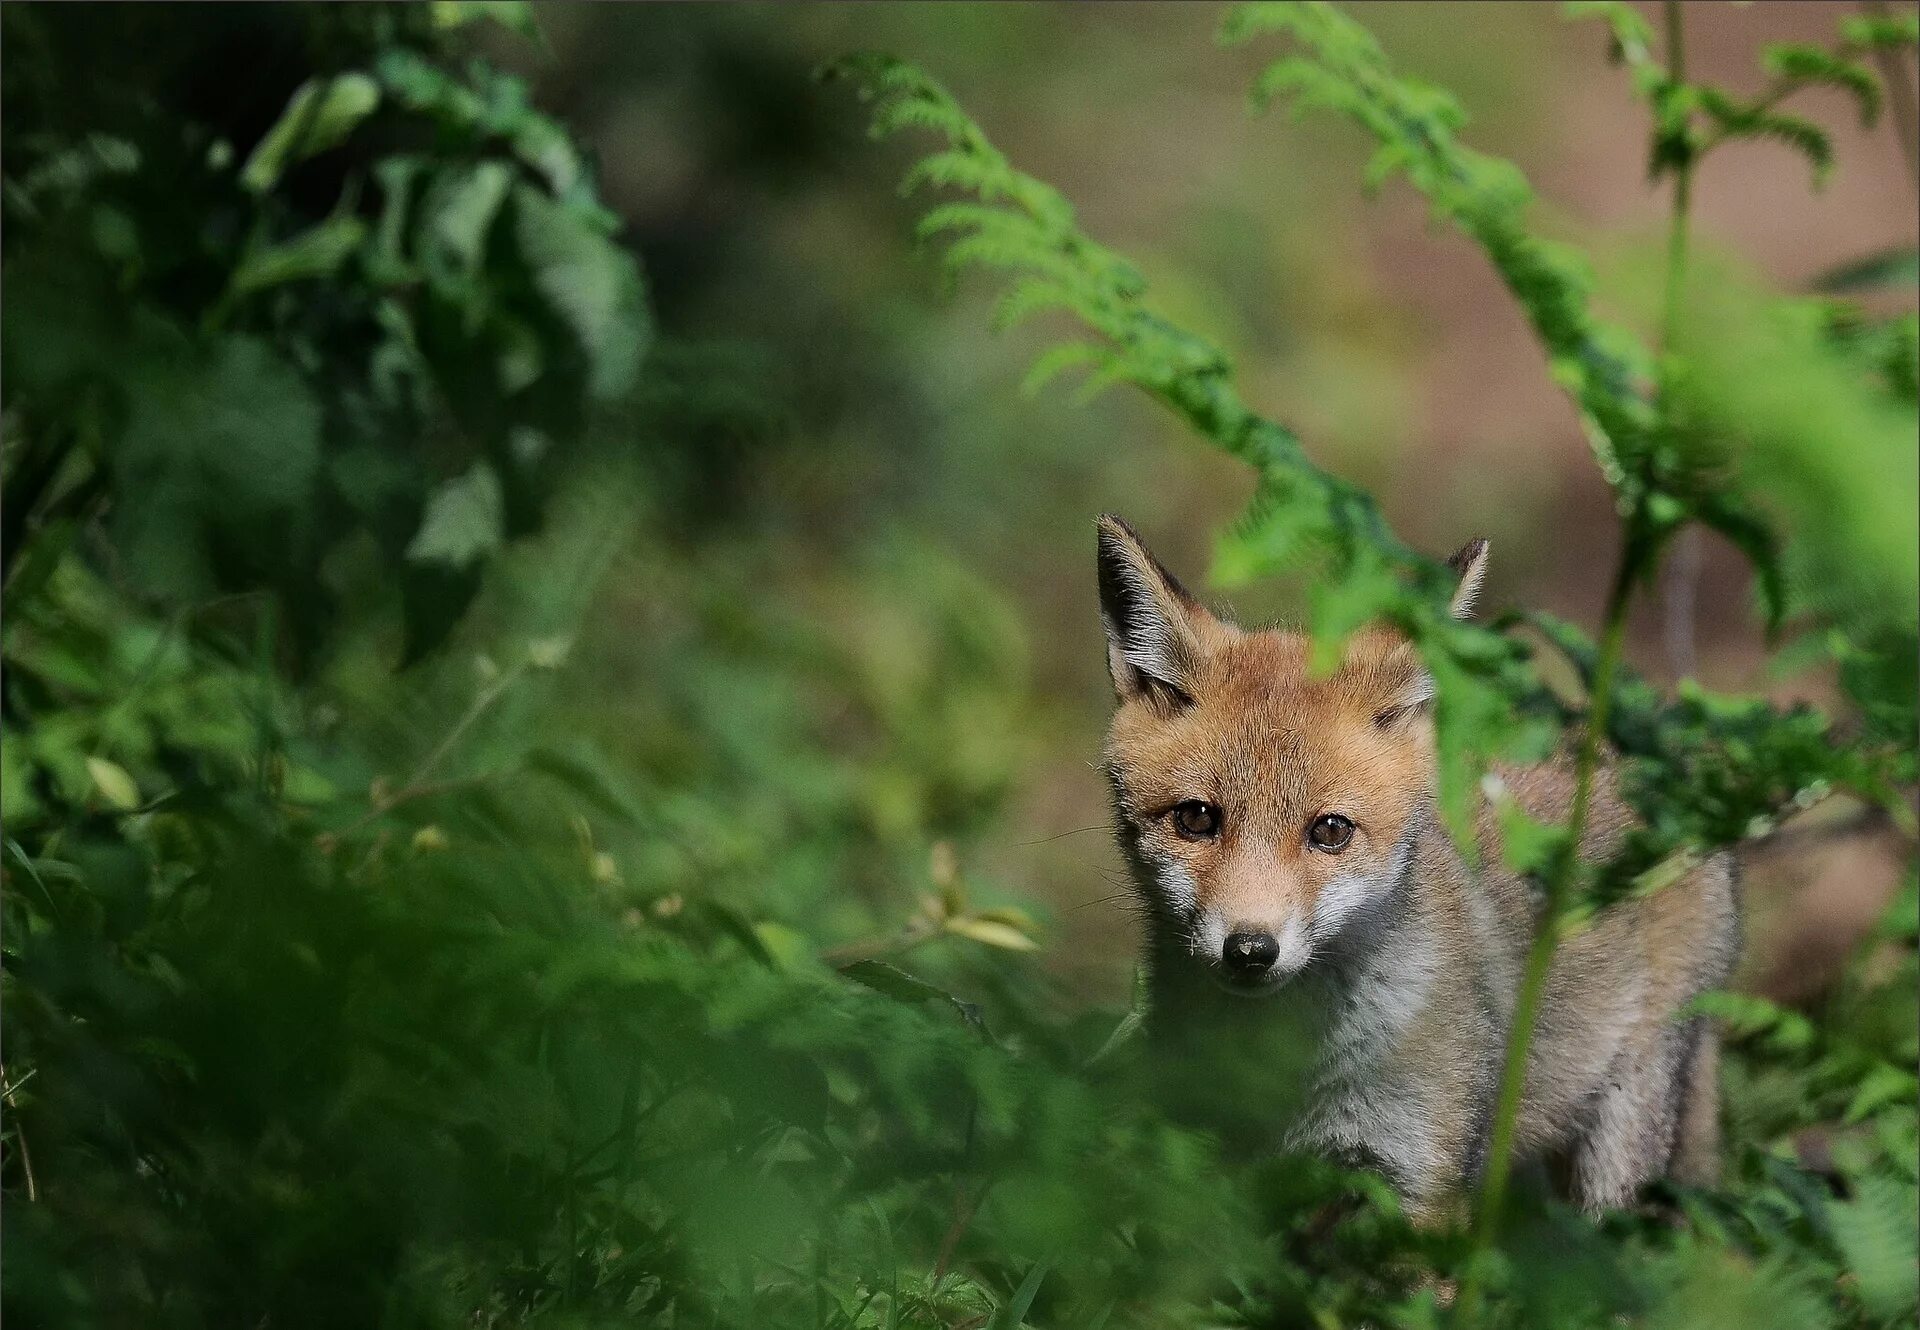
1753 120
1803 64
1029 296
966 217
1057 360
1020 225
1632 33
958 169
1881 32
1802 135
1339 65
1300 513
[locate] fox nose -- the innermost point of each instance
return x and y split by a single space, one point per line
1250 955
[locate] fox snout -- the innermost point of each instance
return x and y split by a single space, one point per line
1258 959
1254 937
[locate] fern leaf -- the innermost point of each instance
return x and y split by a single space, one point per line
1800 63
1876 1236
1057 360
1802 135
957 169
1881 32
965 217
1632 34
1339 65
1028 297
1017 224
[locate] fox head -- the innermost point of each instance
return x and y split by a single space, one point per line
1263 810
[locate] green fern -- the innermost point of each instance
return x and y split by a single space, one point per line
1801 64
1340 67
1794 67
1734 119
1300 512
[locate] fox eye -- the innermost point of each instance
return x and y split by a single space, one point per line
1331 833
1196 819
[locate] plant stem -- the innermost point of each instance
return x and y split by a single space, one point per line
1680 587
1900 98
1678 220
1640 547
20 1136
892 944
1546 940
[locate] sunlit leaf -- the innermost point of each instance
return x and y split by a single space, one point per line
114 784
320 114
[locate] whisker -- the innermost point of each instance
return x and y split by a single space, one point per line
1102 900
1077 831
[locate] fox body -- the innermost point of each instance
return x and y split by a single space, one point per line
1282 832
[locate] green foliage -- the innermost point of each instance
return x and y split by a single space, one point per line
628 959
173 362
1680 139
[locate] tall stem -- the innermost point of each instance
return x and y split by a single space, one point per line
1679 220
1680 588
1546 941
1900 98
1563 875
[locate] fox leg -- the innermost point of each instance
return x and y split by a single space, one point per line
1696 1146
1632 1128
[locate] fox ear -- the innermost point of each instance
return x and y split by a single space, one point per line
1153 646
1470 562
1405 689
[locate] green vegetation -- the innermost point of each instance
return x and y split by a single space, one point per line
396 935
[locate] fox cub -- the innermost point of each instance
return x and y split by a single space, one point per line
1281 830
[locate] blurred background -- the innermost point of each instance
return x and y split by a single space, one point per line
766 222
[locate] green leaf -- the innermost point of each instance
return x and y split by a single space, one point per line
1632 34
1896 269
1886 32
1876 1235
1812 64
738 927
465 519
583 771
114 784
1796 132
895 982
456 214
320 114
1882 1085
991 933
316 252
514 15
1013 1314
591 284
20 802
217 467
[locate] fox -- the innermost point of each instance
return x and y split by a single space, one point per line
1292 872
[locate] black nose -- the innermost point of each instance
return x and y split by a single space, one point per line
1250 955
